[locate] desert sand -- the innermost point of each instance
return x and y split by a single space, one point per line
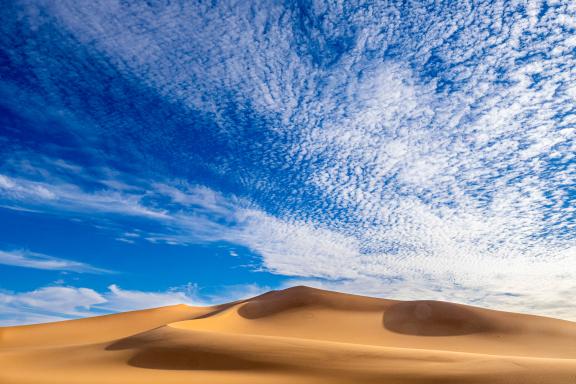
297 335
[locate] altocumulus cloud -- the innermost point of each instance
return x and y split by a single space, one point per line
406 149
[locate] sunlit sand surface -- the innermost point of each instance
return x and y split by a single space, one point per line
298 335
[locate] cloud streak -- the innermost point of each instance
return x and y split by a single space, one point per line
28 259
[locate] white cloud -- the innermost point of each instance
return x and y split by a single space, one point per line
64 196
59 303
50 303
28 259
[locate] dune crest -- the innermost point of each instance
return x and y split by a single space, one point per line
296 335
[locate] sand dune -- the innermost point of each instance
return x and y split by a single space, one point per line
297 335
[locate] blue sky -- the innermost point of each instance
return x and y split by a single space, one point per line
163 152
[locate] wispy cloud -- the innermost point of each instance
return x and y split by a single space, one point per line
27 259
61 196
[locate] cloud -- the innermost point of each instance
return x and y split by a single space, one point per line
48 303
374 143
56 303
433 151
28 259
62 196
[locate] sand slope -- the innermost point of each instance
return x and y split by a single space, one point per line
298 335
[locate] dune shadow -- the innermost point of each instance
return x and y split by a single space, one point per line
189 358
275 302
264 308
156 350
433 318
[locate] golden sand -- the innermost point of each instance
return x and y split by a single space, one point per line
297 335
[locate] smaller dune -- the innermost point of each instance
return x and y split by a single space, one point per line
96 329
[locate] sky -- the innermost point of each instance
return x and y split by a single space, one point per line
198 152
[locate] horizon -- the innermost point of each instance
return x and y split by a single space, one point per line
163 153
249 299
